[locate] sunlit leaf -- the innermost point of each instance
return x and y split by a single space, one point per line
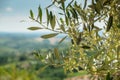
34 28
49 35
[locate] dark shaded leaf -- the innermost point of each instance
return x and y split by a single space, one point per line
63 5
86 47
61 13
74 13
118 26
110 22
67 13
31 14
84 27
98 6
49 35
85 4
97 28
79 39
40 13
108 76
66 19
107 2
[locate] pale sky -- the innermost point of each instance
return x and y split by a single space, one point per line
13 12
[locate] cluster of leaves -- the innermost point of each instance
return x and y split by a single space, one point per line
95 48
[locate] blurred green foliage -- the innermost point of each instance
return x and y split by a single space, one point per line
17 62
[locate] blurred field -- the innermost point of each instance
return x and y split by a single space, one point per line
18 63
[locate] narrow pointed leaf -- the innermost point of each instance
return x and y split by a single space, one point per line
52 20
34 28
63 5
31 14
67 13
49 35
110 22
62 39
61 13
108 76
56 53
42 69
40 13
66 19
85 4
47 13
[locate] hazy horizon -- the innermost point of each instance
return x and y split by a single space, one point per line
14 14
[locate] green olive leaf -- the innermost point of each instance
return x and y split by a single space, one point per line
62 39
31 14
52 20
34 28
66 19
56 52
85 47
49 35
62 28
40 13
110 22
48 19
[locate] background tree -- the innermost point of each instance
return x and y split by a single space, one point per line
94 30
